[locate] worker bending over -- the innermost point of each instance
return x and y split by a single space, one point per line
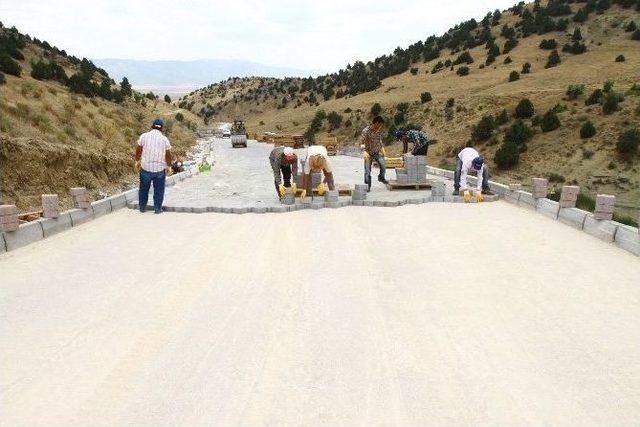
317 160
468 159
419 139
284 163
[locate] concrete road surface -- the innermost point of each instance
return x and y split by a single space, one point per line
439 315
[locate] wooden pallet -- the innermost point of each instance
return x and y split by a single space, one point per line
394 185
330 142
394 162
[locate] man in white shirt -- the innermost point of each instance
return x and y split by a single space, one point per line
153 158
317 160
470 159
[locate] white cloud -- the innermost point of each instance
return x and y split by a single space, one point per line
311 35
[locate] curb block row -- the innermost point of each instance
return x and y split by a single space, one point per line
45 227
623 236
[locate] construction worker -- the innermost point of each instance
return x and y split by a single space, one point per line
373 150
153 161
469 159
419 139
284 163
317 160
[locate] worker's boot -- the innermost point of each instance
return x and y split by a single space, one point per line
456 192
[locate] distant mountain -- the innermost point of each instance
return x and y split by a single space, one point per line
192 73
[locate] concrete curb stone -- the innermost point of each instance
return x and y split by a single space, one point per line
3 244
25 234
573 217
118 201
131 195
603 230
627 238
548 208
80 216
101 208
358 203
527 200
51 226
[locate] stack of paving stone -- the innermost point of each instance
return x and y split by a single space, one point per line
569 196
414 170
332 196
605 205
359 192
438 188
80 198
9 218
539 188
50 206
289 198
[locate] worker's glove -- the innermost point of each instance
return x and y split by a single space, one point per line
366 156
303 194
321 189
294 188
467 196
479 196
384 153
282 190
137 166
169 171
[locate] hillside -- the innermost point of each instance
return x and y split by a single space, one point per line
456 103
71 126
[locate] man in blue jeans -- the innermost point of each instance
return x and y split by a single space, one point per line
372 142
153 159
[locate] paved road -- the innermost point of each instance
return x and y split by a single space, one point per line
436 314
242 177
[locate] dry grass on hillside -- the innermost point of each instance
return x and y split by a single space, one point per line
53 139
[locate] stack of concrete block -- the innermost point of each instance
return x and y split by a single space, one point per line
288 199
332 196
515 187
569 196
414 170
50 206
605 205
80 197
359 192
438 188
540 186
9 218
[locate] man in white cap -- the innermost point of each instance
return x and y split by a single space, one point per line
284 162
469 159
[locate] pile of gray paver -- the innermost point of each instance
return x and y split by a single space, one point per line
414 170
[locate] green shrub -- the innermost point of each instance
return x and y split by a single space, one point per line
179 117
574 91
502 119
550 121
334 119
348 110
525 109
627 220
610 103
3 79
167 99
548 44
628 141
463 71
620 58
376 109
484 129
414 71
464 58
508 60
587 130
450 102
611 166
557 178
526 68
507 156
519 133
631 27
425 97
596 97
509 45
608 86
554 59
514 76
8 65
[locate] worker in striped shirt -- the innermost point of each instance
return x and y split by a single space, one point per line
373 150
153 160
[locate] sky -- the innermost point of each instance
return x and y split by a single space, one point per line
322 36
